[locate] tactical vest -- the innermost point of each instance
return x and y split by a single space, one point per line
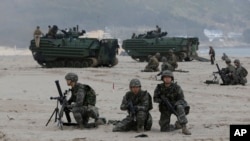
169 92
90 98
150 106
244 72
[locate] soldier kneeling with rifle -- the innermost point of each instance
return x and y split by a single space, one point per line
138 103
171 100
82 103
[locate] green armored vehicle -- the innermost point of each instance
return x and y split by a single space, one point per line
68 50
139 47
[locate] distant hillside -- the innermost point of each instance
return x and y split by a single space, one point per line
20 17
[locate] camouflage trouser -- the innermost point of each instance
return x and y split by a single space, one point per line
151 68
166 114
212 58
174 65
228 80
240 80
82 114
141 119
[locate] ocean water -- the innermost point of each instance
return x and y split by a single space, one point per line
13 51
230 51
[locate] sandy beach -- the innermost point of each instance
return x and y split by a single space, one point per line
26 89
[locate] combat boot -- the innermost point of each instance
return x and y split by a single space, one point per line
80 123
177 125
100 121
168 128
185 130
80 126
117 129
140 129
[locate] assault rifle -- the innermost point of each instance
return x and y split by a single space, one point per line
169 106
62 99
180 70
131 109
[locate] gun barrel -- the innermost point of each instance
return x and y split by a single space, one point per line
59 88
54 98
222 78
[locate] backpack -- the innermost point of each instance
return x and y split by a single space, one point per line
244 72
90 98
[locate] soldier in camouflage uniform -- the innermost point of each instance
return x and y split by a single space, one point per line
165 66
172 59
211 54
82 102
228 72
141 101
152 65
240 73
173 93
224 57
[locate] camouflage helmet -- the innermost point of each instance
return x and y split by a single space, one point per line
157 55
237 61
171 51
164 59
135 82
228 61
149 56
167 73
71 76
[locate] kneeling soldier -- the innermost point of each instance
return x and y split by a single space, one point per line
82 103
170 97
138 103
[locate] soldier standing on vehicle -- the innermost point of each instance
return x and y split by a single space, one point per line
37 34
170 92
240 73
158 29
138 103
82 103
211 54
133 36
152 65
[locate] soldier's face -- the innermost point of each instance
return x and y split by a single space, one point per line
135 89
236 64
68 82
167 79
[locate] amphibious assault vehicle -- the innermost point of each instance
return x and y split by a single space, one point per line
68 50
141 46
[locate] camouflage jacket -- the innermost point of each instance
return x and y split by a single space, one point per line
173 93
142 100
241 72
229 69
173 60
153 62
81 95
166 66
